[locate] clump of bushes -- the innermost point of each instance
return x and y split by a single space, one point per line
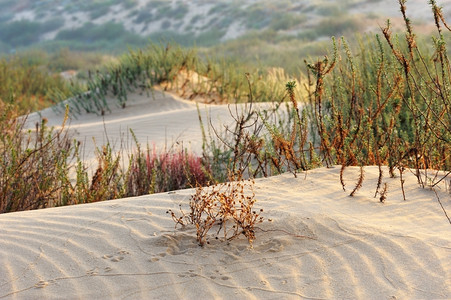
33 165
108 37
28 86
43 168
153 172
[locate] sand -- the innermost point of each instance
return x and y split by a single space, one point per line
316 242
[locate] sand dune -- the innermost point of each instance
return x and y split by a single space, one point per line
357 248
160 119
316 241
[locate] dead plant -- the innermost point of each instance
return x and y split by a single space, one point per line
227 207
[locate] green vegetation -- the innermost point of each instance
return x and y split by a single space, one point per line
167 65
331 10
289 24
284 18
109 37
332 27
269 49
30 80
27 87
25 33
143 16
204 39
286 21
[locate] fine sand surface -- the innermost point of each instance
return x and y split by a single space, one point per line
316 242
160 119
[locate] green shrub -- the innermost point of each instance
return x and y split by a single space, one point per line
65 59
331 27
110 36
98 12
257 17
165 25
53 24
330 10
286 21
20 33
179 12
143 16
24 84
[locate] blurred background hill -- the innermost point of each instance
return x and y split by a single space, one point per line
67 38
113 25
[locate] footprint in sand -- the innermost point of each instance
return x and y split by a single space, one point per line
116 257
92 272
41 284
273 245
190 273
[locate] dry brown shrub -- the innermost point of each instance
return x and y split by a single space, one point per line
227 207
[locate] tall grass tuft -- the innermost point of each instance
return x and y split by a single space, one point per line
33 165
27 86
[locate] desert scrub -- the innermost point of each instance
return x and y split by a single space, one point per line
33 165
386 105
227 207
381 103
43 168
25 85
